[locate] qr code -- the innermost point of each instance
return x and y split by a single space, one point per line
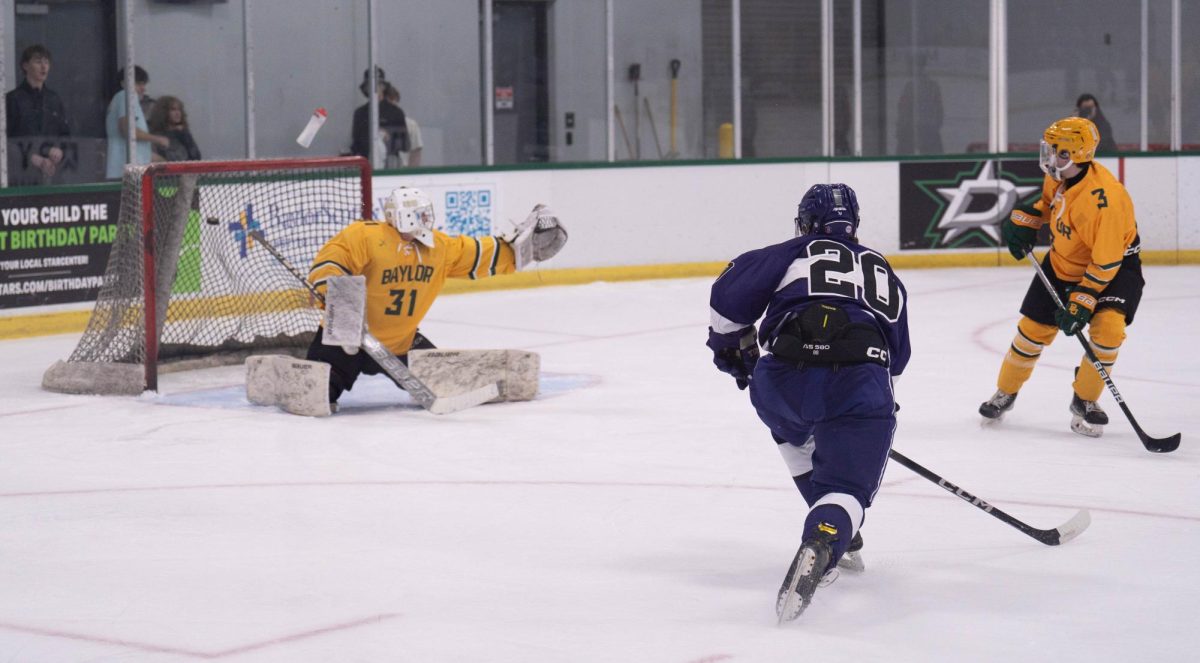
469 212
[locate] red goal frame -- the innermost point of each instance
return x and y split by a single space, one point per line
199 167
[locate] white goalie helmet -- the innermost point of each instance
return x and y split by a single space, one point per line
410 211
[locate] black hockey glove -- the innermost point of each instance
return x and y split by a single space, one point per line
1019 231
735 353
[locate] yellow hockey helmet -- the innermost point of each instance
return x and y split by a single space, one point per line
1071 139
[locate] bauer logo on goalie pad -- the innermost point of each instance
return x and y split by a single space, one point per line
297 386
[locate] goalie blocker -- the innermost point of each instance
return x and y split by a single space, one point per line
301 387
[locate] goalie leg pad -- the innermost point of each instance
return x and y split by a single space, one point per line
297 386
456 371
345 311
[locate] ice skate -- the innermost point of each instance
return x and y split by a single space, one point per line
852 560
1087 418
807 572
995 407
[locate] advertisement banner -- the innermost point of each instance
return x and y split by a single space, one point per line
54 248
960 204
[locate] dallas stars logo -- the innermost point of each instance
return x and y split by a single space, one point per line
955 221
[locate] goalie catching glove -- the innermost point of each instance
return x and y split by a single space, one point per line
539 237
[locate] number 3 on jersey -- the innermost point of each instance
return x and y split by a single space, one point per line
398 302
836 270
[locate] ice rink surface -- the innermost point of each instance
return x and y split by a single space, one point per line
636 511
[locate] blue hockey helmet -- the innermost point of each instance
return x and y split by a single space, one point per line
828 209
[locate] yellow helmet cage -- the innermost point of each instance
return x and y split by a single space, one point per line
1074 138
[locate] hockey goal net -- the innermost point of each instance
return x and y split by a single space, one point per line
185 283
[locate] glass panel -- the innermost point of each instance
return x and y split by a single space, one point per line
576 118
203 75
1189 56
647 38
521 103
56 132
717 30
925 76
843 79
1051 66
1158 108
781 78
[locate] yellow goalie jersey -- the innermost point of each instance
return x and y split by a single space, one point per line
403 278
1092 224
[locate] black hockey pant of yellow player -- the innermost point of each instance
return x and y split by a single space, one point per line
1106 333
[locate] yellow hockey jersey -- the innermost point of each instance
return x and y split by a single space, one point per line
1092 224
403 278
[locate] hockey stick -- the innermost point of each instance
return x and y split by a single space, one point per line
1152 444
395 368
1051 537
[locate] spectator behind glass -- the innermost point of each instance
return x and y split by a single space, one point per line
920 113
36 110
391 120
116 128
1087 106
412 156
168 118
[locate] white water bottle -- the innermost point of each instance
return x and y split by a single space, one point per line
314 124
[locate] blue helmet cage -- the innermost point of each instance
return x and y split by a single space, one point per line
828 209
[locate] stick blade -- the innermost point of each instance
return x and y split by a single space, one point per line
448 404
1161 445
1073 527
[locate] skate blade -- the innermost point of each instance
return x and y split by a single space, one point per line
852 562
790 603
985 422
1078 425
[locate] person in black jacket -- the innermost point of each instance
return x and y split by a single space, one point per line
35 110
391 122
168 118
1086 106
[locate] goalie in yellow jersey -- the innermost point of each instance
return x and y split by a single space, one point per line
405 263
1093 263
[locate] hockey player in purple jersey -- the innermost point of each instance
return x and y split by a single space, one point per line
834 325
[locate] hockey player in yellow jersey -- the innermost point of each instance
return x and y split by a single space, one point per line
1093 263
406 262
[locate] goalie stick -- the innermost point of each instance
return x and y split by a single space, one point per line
395 368
1051 537
1152 444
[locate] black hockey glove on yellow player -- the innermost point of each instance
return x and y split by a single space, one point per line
1079 305
1019 230
735 353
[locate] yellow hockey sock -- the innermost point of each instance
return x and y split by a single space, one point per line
1023 354
1106 332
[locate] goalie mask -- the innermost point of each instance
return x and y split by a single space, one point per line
828 209
1071 140
410 211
